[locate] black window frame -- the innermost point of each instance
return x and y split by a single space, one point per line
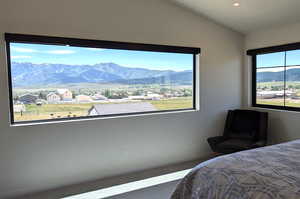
272 49
76 42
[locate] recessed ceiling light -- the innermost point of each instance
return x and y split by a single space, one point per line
236 4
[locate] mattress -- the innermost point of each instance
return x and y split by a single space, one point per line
271 172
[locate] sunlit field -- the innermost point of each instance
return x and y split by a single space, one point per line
170 104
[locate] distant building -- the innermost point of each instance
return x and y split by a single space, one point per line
178 94
18 108
136 97
168 95
28 99
149 96
83 98
108 109
153 96
65 94
99 97
274 94
53 97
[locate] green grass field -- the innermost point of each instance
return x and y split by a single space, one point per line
50 111
179 103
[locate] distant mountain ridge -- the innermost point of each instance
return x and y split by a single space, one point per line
29 74
291 75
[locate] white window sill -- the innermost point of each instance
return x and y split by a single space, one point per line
131 186
101 118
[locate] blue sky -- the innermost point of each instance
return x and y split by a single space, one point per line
38 53
278 59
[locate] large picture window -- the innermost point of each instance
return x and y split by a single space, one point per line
54 78
276 77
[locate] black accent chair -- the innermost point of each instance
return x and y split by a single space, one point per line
244 129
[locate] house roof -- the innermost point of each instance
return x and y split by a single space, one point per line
28 97
108 109
51 93
99 96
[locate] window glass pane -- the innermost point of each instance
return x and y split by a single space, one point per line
270 86
293 57
293 86
270 60
54 82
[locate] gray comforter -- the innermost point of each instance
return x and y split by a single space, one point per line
271 172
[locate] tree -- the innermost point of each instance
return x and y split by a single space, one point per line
16 98
107 93
138 92
43 95
74 93
164 90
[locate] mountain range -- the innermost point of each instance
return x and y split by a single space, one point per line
29 74
291 75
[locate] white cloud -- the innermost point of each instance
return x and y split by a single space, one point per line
270 69
23 50
277 69
61 52
20 57
96 49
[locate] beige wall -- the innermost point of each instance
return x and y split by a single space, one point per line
284 125
42 157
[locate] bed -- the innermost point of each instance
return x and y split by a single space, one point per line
271 172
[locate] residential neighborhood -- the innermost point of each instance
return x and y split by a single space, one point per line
64 102
67 96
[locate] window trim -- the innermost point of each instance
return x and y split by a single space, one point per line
272 49
89 43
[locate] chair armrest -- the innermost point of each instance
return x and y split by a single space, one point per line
260 143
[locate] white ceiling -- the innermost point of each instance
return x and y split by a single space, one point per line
250 16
